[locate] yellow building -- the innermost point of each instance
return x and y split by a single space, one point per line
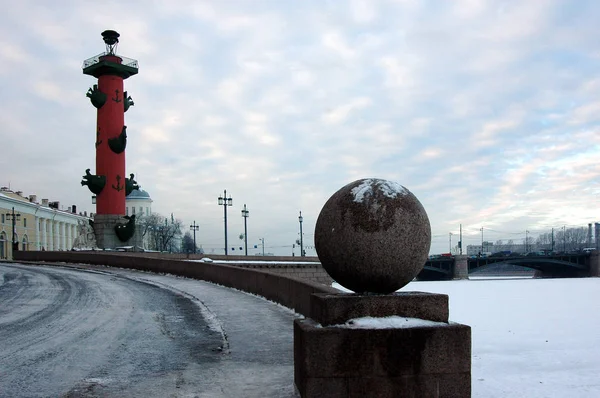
37 226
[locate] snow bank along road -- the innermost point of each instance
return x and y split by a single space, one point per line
71 332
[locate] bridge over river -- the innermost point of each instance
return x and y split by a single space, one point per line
559 265
310 269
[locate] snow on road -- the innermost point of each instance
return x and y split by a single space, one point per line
110 332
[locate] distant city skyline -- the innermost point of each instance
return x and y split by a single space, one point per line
488 112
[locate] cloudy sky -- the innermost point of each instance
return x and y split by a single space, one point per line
488 111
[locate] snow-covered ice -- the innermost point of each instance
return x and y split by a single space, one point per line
530 337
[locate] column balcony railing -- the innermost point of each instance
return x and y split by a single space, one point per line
132 63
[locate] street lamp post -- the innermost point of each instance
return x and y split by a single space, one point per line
245 214
482 240
194 228
225 201
14 217
300 219
165 234
460 245
526 241
262 240
450 242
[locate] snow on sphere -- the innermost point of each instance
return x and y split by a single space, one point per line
373 235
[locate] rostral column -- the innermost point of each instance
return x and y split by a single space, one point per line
109 184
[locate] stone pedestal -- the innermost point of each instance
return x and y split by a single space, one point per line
419 359
335 309
104 229
461 267
137 240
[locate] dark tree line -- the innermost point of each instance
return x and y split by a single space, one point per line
187 244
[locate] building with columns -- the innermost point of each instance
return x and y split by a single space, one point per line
38 226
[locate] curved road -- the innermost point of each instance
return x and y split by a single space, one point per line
102 332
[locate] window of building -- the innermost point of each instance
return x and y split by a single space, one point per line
147 211
2 218
133 210
3 245
24 222
127 211
141 211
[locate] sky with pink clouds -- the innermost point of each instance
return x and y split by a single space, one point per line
488 111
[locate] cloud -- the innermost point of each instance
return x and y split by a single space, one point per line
340 113
487 111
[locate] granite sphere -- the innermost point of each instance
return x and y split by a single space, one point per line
373 235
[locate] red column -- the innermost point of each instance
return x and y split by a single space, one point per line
111 119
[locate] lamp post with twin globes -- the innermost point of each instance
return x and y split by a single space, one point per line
14 217
245 214
225 201
300 219
194 228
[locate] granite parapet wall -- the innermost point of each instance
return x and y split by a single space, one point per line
314 273
289 291
308 268
218 257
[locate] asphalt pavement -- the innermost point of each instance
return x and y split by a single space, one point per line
89 331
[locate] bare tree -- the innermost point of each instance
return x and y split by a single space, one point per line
528 242
570 239
145 225
544 241
576 238
510 245
159 233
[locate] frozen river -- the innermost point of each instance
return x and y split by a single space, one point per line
534 338
105 332
531 338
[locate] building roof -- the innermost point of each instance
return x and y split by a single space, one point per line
138 194
14 195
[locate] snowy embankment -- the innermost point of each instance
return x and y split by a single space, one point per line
210 260
531 337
